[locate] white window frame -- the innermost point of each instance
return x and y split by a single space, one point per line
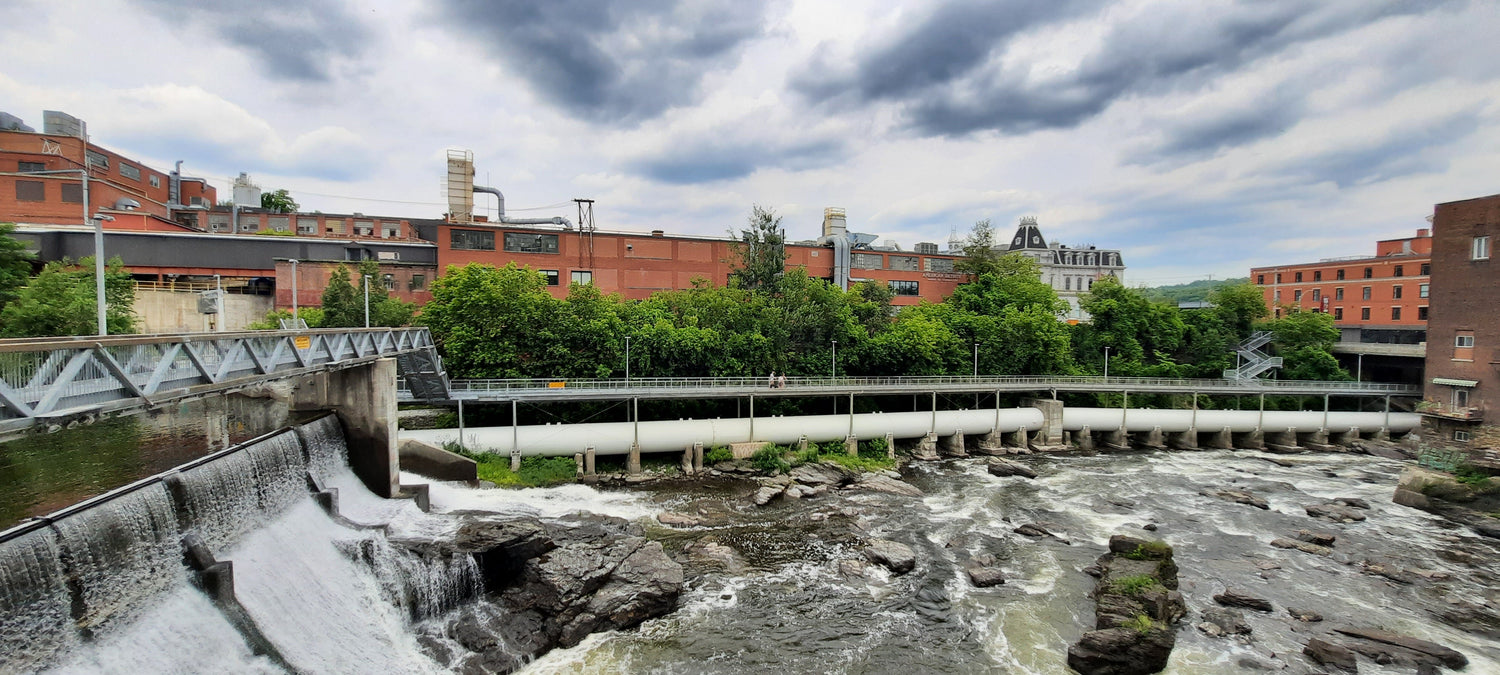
1480 249
581 277
1460 435
1463 341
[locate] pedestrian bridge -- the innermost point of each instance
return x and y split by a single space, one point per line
53 381
559 389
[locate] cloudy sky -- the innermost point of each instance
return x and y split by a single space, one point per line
1201 137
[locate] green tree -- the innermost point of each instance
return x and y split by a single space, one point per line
61 301
494 322
980 254
1304 340
278 201
760 250
1012 280
1239 305
872 305
15 264
344 303
312 316
1140 334
343 307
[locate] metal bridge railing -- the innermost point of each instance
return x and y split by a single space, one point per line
539 385
50 377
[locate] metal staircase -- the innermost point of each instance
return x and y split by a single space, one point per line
423 375
1252 361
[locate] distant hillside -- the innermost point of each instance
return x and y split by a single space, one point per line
1196 291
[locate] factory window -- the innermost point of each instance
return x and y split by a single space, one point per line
1369 272
1317 294
281 223
1297 277
525 242
390 230
1339 275
1421 313
307 226
1338 293
1400 270
907 263
1278 277
337 227
1067 283
98 159
218 222
1318 276
1260 279
31 191
1395 292
1364 314
1278 296
1426 269
472 240
551 276
867 261
904 287
937 264
1367 293
1338 313
1460 435
364 228
1422 290
1480 249
28 167
389 281
1464 340
131 172
583 277
154 180
250 223
72 193
1395 314
418 282
1296 296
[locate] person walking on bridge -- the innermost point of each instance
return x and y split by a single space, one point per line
772 380
781 381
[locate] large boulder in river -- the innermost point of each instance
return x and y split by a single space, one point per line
1005 467
893 555
1449 658
1135 606
1233 597
606 584
1337 513
1326 653
875 482
823 473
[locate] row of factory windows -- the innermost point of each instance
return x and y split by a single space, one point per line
101 161
554 277
526 242
1338 293
1317 275
307 225
1364 313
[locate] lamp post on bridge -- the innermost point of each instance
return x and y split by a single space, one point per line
1106 364
976 360
627 360
367 301
294 262
835 359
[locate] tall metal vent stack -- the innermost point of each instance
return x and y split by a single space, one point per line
461 186
833 221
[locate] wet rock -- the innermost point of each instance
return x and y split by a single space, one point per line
985 577
886 484
1224 621
678 519
823 473
1316 537
764 495
853 569
1094 571
1491 530
1149 527
1121 651
1238 497
1038 530
1386 570
1133 623
1334 512
892 555
1232 597
1302 546
1304 615
1326 653
1352 502
1005 467
709 552
601 585
1448 657
1268 565
1250 663
1384 451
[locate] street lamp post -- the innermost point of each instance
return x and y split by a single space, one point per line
367 301
976 359
1106 364
219 300
295 325
835 359
627 360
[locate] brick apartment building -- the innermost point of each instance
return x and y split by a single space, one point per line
1463 346
1381 298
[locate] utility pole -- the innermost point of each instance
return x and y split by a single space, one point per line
295 325
367 301
627 360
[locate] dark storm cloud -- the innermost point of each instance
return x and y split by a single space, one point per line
714 160
606 61
1197 134
951 82
1403 151
295 39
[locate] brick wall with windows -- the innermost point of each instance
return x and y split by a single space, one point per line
1369 292
1462 389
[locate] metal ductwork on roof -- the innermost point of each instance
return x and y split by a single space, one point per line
126 204
501 217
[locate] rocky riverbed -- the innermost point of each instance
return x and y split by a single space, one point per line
1293 565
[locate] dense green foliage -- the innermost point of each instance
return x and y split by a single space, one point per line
278 201
15 264
503 323
344 302
1195 291
313 316
61 301
535 471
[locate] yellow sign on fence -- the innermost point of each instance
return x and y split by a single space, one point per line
556 385
302 342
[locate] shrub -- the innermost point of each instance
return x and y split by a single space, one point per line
770 458
1140 623
874 446
1151 550
862 462
716 454
1133 585
1473 477
807 456
535 471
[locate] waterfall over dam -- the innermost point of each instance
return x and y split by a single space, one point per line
110 584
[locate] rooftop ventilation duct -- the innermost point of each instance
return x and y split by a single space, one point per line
127 204
502 218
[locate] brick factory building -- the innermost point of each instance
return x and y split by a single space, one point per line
1463 346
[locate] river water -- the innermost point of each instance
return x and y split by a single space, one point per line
783 604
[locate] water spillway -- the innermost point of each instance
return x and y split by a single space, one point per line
615 438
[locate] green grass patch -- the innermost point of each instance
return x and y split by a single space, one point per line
1151 550
771 457
863 462
1134 585
716 454
1471 476
535 471
1140 623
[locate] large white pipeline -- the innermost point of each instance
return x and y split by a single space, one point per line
615 438
1112 419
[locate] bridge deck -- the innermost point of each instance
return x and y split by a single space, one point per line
541 390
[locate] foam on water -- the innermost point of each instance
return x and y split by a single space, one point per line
182 633
323 440
544 502
35 619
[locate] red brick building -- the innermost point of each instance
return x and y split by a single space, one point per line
1463 346
1379 298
